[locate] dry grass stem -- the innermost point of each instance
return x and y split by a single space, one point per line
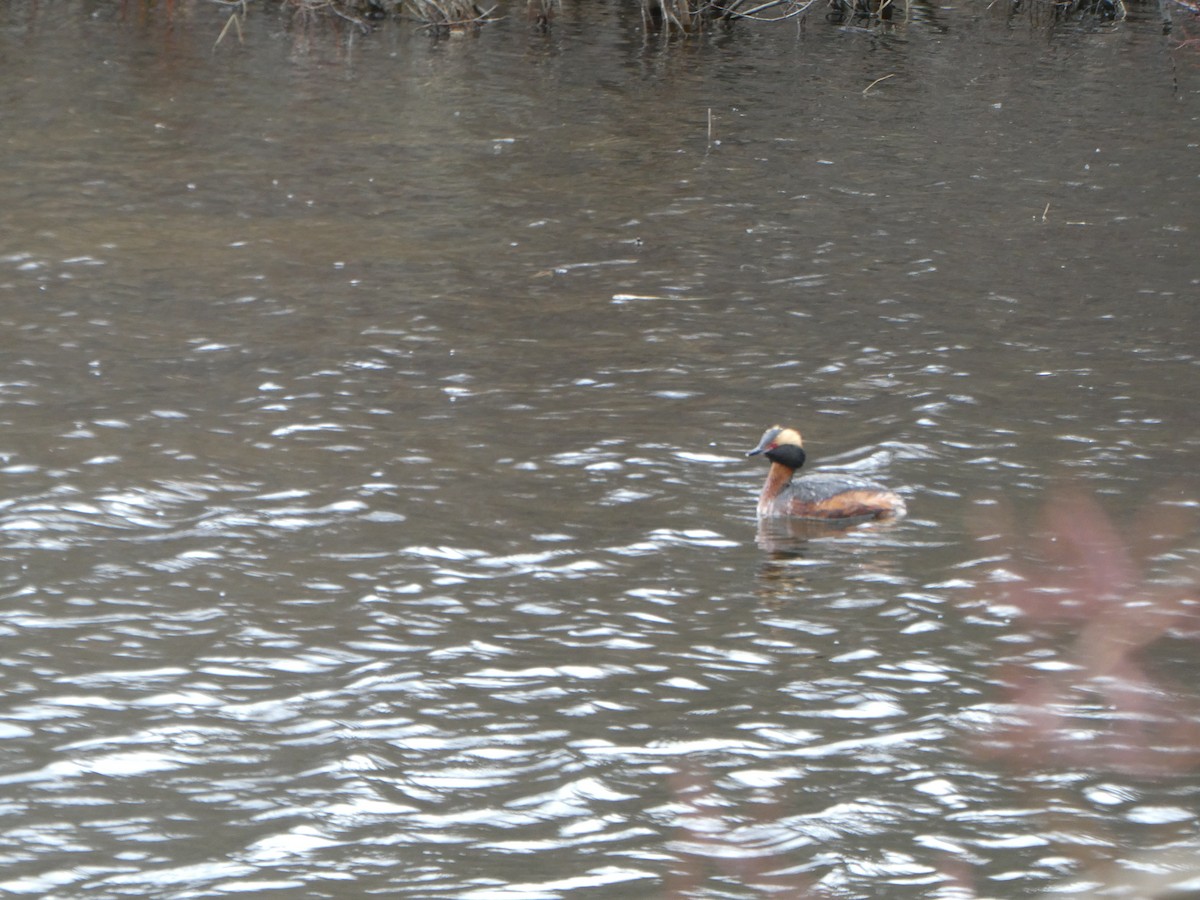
234 21
877 80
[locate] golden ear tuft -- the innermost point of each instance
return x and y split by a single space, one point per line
789 436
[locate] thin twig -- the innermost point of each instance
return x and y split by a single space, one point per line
751 13
482 17
757 9
876 81
362 26
235 19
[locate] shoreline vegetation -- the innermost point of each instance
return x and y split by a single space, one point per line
678 16
658 16
667 17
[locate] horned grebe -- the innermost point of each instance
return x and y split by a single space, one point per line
827 495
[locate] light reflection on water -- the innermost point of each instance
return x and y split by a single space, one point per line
376 519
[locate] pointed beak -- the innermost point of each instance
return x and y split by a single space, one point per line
763 446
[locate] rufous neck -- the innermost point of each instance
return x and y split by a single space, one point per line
779 476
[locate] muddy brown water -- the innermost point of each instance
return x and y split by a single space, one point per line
375 515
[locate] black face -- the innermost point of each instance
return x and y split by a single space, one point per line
787 455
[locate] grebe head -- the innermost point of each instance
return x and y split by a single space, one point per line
781 445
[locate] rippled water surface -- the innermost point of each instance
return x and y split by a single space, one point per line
375 515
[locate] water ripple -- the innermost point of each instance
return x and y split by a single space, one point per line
376 530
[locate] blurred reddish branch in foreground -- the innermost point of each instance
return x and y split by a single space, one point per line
1090 692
